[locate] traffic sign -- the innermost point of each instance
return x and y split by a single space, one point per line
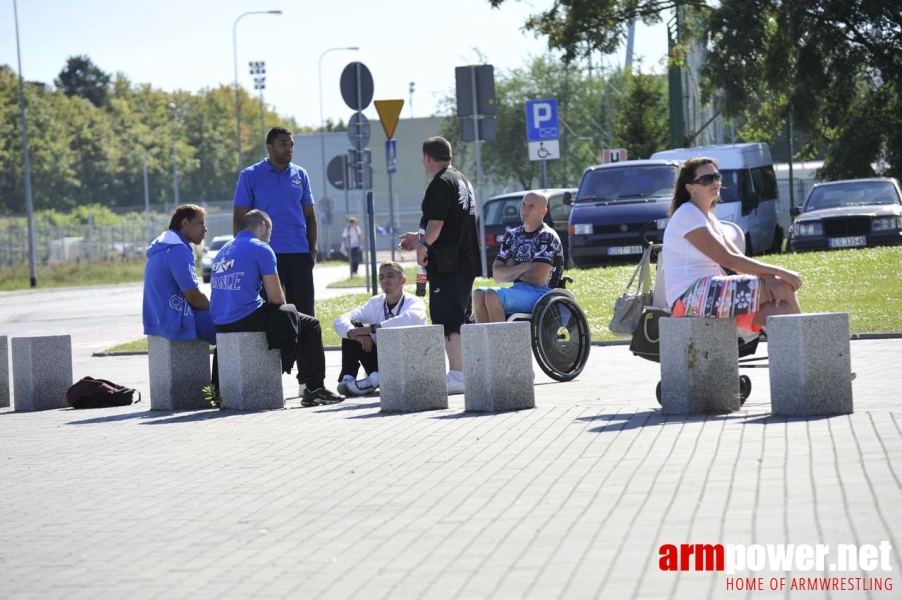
359 131
349 86
541 120
391 156
547 150
389 112
336 172
615 155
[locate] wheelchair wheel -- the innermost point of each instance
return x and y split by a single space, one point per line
560 336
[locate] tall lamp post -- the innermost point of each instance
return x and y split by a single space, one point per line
32 247
258 69
322 123
235 52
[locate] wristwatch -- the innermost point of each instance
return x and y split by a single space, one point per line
424 244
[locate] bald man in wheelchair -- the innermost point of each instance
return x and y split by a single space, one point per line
531 257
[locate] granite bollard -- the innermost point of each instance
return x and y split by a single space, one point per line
42 372
498 368
250 374
810 364
412 368
4 371
179 371
699 365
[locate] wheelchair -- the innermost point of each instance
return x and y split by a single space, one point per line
559 332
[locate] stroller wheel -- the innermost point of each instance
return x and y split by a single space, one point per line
745 388
658 392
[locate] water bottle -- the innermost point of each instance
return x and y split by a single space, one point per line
422 278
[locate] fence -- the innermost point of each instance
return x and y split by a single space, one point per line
77 243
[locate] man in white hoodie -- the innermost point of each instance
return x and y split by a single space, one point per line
358 329
174 306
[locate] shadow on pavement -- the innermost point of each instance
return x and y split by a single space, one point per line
345 407
160 417
654 418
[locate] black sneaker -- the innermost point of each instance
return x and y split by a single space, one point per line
320 396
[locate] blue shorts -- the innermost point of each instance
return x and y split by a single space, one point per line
519 298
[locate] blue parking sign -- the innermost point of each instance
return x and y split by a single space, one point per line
541 120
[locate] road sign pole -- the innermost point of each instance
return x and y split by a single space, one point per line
391 216
361 178
478 207
545 173
371 216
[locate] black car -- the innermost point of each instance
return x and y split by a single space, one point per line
848 214
502 212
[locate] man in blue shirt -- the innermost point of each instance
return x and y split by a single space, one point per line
281 189
174 306
242 269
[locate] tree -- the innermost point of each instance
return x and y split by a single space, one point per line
581 107
825 64
642 125
84 79
580 28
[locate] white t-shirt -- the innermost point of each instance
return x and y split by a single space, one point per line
351 235
685 262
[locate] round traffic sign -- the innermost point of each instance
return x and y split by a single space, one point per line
337 173
359 131
353 78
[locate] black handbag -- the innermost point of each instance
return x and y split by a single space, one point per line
646 340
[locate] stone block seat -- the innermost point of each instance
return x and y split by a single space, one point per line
699 365
412 368
810 364
250 374
179 371
42 372
498 368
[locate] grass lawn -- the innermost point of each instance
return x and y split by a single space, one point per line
72 274
865 282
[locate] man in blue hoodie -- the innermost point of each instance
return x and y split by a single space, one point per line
174 306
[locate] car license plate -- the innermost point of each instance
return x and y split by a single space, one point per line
620 250
848 242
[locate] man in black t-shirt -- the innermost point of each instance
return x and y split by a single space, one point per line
531 257
449 249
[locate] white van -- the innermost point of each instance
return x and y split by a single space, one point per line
749 192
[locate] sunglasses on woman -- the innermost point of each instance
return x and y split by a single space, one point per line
708 179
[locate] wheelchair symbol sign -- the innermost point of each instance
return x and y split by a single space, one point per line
547 150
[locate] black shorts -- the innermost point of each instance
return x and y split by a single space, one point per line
450 296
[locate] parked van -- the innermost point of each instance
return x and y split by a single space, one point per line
749 193
613 203
616 200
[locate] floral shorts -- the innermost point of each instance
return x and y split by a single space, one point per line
722 297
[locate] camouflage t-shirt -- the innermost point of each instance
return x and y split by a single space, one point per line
542 245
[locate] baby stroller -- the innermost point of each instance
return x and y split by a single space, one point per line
646 341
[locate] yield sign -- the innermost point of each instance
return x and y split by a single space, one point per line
389 111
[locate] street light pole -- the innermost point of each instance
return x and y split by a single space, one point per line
235 52
322 123
32 249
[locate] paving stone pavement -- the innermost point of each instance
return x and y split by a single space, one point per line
570 500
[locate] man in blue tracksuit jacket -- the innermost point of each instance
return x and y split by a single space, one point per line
174 306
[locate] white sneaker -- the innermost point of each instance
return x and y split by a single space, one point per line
454 386
361 387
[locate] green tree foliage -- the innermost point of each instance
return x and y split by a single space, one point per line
85 151
834 65
642 123
84 79
581 28
588 105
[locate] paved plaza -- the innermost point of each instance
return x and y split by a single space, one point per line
570 500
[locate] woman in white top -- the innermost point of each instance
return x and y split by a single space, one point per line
698 252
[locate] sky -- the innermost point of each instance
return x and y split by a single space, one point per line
188 45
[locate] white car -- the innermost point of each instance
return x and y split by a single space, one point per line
206 260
